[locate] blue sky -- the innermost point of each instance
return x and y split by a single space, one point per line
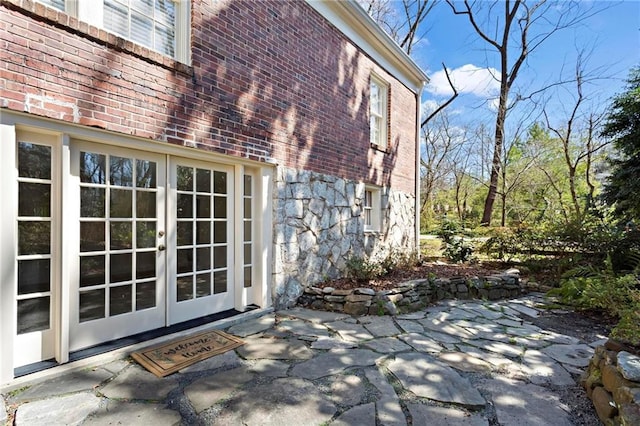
611 38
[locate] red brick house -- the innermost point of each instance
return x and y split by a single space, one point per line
166 160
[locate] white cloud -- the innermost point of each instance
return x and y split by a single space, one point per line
481 82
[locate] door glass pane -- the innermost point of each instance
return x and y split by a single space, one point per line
34 161
247 231
34 199
185 261
185 178
185 233
120 267
145 174
185 288
34 276
219 282
146 264
92 201
247 276
33 314
120 171
145 204
204 206
247 208
219 232
92 236
92 168
120 300
220 207
203 258
247 185
219 257
145 234
121 235
204 232
247 253
203 285
120 205
34 237
92 305
203 180
185 205
145 295
220 182
92 270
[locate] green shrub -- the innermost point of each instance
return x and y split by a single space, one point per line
454 245
363 269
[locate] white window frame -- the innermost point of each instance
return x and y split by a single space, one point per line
91 12
378 118
372 208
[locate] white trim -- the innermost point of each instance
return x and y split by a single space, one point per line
63 290
375 208
355 23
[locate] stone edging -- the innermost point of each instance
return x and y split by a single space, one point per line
411 295
612 382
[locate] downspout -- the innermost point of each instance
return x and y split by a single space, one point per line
418 153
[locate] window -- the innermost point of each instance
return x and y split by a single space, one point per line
378 96
371 209
160 25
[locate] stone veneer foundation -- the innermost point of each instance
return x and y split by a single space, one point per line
318 225
612 382
411 295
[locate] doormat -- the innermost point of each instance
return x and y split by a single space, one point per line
168 358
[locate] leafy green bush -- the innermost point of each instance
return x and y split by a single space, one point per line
363 269
454 245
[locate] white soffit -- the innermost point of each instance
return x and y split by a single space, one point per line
354 22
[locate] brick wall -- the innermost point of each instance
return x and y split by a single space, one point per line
268 80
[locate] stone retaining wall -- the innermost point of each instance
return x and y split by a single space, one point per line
410 295
612 382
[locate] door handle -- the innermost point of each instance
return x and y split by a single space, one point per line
161 247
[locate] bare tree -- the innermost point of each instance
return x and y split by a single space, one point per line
519 30
402 20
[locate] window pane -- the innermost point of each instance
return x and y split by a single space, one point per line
120 300
120 267
92 202
92 236
121 235
116 18
34 161
92 270
34 238
121 203
92 305
247 185
92 168
247 276
203 206
145 204
165 12
56 4
145 265
247 208
145 174
33 314
34 276
145 234
164 40
247 253
145 295
141 29
34 199
145 6
247 231
120 171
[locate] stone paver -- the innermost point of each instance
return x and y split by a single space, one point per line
300 366
429 378
431 415
283 401
122 413
63 410
629 366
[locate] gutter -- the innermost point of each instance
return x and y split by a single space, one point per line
417 177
